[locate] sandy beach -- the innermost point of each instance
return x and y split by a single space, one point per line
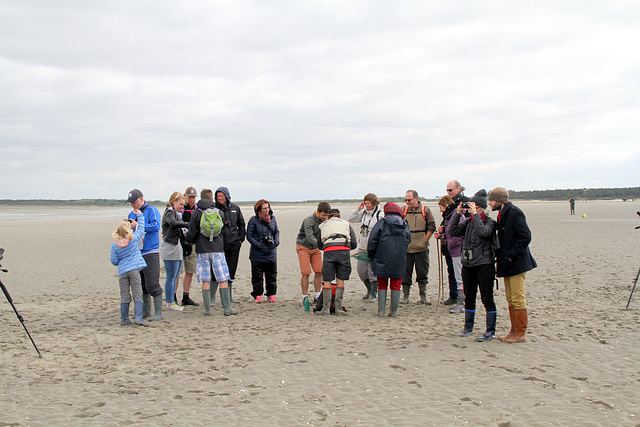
274 364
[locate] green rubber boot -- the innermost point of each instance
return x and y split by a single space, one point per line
206 301
326 302
382 301
157 305
337 304
395 302
146 305
225 298
213 288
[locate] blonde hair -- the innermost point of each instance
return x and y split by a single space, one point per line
123 231
176 195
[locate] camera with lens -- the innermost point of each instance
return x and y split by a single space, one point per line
467 254
268 239
465 205
364 230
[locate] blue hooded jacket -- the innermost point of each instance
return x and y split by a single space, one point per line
128 257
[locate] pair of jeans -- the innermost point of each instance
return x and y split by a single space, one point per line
172 268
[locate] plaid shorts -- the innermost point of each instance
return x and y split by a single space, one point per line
212 261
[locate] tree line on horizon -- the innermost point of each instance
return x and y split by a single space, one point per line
627 193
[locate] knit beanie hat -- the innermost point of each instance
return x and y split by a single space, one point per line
499 194
392 208
480 198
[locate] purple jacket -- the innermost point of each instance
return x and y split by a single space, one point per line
454 244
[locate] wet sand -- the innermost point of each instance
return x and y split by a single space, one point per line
275 364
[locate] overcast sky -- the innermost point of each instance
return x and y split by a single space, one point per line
297 100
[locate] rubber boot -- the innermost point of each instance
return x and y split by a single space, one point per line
326 302
459 308
382 301
395 302
491 327
214 288
406 289
374 291
512 317
206 301
124 314
225 298
146 307
367 283
137 312
522 320
338 302
423 294
231 293
157 304
469 319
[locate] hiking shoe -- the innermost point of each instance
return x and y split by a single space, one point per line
451 301
189 301
174 306
257 299
457 309
271 298
485 337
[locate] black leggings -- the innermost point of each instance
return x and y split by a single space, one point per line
481 276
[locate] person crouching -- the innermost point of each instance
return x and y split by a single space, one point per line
336 238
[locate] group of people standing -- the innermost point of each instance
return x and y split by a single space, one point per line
205 237
391 244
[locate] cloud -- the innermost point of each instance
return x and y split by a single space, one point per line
295 101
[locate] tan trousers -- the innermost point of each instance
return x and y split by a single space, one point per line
514 291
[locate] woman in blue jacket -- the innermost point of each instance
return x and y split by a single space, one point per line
387 250
264 237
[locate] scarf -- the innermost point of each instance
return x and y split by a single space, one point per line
264 217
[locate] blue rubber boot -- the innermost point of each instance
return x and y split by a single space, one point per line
491 327
469 319
124 314
137 312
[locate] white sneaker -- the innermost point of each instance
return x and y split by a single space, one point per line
174 306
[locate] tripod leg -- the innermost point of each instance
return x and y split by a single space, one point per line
6 294
635 282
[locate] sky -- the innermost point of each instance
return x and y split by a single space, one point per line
303 100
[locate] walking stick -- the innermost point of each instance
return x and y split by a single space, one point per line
635 281
440 275
6 294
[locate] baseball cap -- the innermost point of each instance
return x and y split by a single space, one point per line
134 195
190 191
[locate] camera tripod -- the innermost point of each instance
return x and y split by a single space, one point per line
635 281
6 294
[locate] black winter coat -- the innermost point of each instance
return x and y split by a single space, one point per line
514 236
387 247
234 230
257 230
478 239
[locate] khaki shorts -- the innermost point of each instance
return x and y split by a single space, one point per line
190 262
309 258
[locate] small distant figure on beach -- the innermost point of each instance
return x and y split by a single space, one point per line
572 205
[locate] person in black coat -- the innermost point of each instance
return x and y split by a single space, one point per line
387 250
514 259
264 237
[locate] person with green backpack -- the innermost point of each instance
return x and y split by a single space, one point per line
205 228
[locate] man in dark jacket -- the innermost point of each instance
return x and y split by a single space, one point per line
514 260
233 232
210 260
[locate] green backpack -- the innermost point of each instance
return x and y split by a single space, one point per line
210 223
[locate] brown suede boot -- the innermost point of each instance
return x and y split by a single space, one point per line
521 327
512 317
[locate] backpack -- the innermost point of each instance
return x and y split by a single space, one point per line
210 223
406 209
320 302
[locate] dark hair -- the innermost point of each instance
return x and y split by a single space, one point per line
324 207
445 201
414 192
370 197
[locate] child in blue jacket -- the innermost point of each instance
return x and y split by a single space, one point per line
125 253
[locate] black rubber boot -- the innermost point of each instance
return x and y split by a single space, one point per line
367 283
469 319
406 289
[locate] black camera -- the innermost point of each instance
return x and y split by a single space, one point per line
268 239
467 254
465 205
